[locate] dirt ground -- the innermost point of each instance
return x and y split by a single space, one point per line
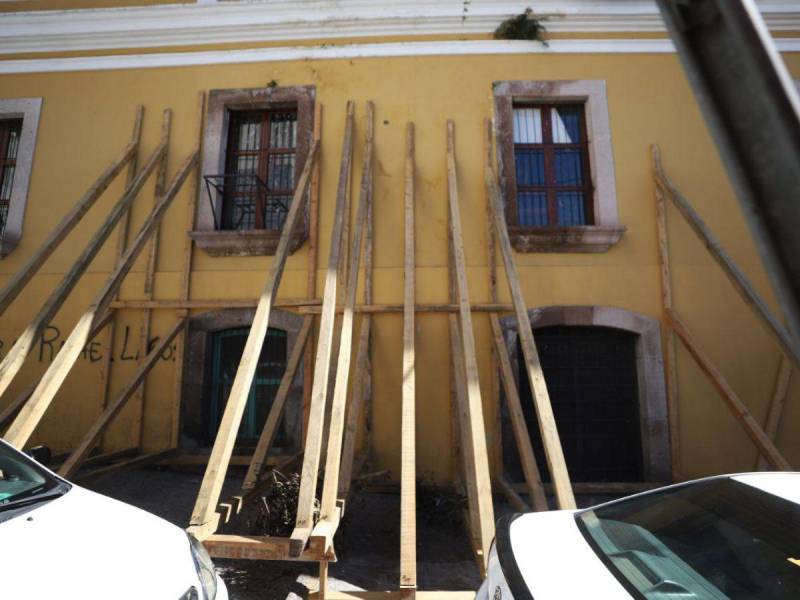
367 543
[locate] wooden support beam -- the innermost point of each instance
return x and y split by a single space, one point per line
278 404
33 411
541 398
475 431
789 345
776 404
204 516
491 271
325 529
143 460
97 459
734 403
521 434
408 421
139 399
669 335
463 450
87 444
330 488
15 358
68 223
122 240
603 487
309 306
255 548
186 280
514 499
313 244
360 384
319 393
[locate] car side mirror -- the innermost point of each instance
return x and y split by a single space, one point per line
40 454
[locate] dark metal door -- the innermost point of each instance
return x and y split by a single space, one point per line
591 378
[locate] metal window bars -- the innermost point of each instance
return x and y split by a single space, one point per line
245 202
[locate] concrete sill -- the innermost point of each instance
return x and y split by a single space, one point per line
252 242
585 239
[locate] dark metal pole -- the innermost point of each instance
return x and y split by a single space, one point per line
753 111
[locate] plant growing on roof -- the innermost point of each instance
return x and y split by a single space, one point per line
525 26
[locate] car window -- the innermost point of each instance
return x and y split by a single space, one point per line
713 539
21 477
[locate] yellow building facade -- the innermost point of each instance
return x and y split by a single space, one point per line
93 63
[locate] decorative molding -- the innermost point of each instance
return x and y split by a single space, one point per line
29 110
351 51
282 20
583 239
220 103
605 230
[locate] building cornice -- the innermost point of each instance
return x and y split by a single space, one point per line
350 51
269 21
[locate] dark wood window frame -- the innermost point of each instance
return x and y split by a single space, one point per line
550 186
260 196
605 232
221 105
8 166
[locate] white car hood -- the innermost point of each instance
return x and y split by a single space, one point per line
556 561
84 545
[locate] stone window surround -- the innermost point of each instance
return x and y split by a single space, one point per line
606 231
653 414
195 380
29 110
251 242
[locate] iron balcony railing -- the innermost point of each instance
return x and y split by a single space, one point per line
243 201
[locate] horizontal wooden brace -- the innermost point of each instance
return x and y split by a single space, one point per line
259 548
303 306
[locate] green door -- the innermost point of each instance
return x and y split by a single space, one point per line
227 349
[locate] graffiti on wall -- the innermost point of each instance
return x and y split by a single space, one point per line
52 340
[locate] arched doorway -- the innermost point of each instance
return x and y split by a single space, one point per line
214 347
604 374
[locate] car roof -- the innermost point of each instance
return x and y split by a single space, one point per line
783 485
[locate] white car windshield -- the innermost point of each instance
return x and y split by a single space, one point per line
713 539
23 482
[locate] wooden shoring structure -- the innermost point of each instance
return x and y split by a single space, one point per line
316 420
205 519
351 464
186 280
473 433
541 398
330 506
763 441
72 218
776 404
92 437
408 461
259 459
33 411
138 400
16 356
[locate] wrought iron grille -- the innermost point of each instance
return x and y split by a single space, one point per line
241 201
